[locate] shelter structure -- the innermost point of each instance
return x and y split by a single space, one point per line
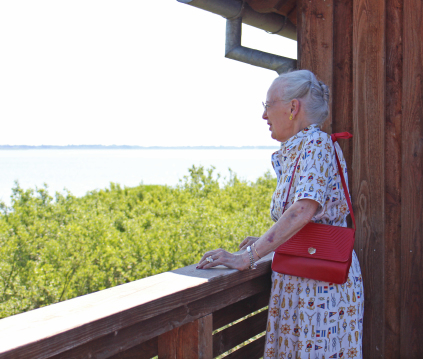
370 53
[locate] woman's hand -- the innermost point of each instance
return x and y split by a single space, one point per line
248 241
221 257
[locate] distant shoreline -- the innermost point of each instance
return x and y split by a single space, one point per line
125 147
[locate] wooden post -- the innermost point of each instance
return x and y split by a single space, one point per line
342 83
315 42
193 340
393 135
369 165
412 184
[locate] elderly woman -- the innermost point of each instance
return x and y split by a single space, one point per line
307 318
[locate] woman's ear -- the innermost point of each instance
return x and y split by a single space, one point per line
295 107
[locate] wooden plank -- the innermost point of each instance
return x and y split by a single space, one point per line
129 337
81 314
368 163
239 333
341 91
240 309
145 350
293 16
283 7
51 330
315 43
412 184
392 261
190 341
253 350
205 333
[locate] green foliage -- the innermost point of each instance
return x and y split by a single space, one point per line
56 249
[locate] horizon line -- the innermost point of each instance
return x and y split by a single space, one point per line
40 147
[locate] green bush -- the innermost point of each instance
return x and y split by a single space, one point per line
56 249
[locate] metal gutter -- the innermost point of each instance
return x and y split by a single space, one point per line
232 9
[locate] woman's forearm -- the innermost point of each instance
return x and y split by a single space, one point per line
292 221
295 218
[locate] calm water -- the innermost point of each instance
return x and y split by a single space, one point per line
83 170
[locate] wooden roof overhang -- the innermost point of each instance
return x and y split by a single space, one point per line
270 15
282 7
275 17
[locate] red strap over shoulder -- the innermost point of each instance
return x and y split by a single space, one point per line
334 137
341 135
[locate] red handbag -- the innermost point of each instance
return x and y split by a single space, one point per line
319 251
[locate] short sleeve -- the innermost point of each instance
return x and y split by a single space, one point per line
313 168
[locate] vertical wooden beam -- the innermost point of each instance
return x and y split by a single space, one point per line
315 42
342 86
393 119
193 340
368 163
412 184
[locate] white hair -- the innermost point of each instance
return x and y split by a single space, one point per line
303 84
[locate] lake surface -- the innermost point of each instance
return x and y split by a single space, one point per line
81 171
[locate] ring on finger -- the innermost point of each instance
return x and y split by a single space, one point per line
209 259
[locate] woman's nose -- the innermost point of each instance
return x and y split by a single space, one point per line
264 116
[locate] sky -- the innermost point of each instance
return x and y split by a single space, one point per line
146 73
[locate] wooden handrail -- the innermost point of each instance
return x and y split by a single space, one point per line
135 315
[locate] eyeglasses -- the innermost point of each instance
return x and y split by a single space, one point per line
266 106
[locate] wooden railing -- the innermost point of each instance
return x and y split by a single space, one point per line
173 315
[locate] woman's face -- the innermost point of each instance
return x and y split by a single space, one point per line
277 114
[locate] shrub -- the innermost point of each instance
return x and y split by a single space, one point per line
53 249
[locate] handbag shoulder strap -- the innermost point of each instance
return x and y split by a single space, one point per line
334 137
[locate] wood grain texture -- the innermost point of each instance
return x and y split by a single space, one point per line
253 350
293 16
412 184
126 338
145 350
239 333
393 119
315 43
205 333
342 85
240 309
283 7
368 163
65 326
189 341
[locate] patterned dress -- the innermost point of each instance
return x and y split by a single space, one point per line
310 319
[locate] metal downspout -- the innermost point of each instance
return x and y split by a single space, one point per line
235 51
